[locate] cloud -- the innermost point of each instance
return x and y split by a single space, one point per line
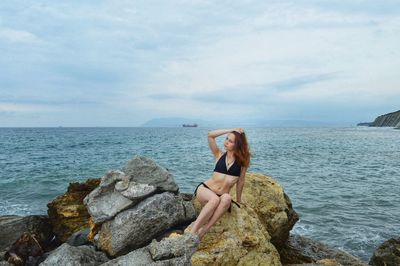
255 58
17 36
21 108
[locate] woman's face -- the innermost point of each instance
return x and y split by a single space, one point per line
229 142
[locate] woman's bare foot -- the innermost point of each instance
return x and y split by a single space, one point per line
201 233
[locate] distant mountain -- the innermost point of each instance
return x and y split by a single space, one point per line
365 124
251 122
172 122
387 120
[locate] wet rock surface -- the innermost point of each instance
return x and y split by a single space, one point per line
387 254
28 245
299 249
12 227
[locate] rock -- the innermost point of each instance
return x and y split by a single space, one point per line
329 262
299 249
115 193
238 238
173 247
387 254
137 226
364 124
138 257
67 255
273 207
67 213
387 120
325 262
26 246
12 227
79 238
146 171
190 211
175 250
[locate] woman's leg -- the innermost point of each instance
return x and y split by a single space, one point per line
223 206
210 202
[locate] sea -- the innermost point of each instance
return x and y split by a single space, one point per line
343 182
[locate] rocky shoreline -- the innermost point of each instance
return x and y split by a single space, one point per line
387 120
136 216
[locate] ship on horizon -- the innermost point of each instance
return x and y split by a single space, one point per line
189 125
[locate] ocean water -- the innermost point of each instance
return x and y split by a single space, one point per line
343 182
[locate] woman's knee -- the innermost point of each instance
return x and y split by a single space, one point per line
214 201
226 199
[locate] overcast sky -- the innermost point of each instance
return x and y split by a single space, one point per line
121 63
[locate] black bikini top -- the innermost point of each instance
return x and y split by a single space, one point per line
220 167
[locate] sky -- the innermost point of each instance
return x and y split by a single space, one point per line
123 62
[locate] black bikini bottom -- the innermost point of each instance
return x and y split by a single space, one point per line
195 191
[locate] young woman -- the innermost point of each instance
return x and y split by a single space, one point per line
230 169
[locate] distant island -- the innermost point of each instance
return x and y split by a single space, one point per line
387 120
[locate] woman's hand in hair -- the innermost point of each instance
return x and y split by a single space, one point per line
239 130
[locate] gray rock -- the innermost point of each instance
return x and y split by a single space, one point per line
12 227
168 252
146 171
138 257
2 253
5 263
299 250
115 193
133 190
190 211
387 254
79 238
137 226
67 255
172 247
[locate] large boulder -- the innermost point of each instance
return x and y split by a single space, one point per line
273 207
387 254
67 255
250 234
299 250
115 193
144 170
174 250
12 227
137 226
238 238
67 213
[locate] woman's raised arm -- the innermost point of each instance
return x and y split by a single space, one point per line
216 133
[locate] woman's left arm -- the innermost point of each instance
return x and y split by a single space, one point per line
240 185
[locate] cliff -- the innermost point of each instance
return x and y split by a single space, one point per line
387 120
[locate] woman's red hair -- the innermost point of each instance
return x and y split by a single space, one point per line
242 149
